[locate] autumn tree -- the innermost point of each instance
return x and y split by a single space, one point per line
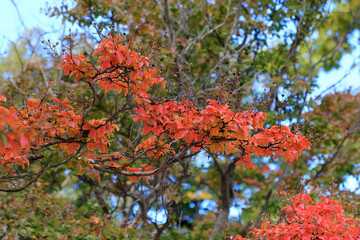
165 107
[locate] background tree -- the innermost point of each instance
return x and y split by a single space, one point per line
225 51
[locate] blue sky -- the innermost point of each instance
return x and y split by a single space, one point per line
10 25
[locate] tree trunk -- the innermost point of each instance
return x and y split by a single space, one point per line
226 200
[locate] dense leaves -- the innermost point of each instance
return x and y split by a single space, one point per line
305 219
181 120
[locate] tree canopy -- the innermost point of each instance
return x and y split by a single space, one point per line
181 120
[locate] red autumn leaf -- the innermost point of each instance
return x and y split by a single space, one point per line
102 131
92 133
152 72
119 56
56 100
2 98
33 102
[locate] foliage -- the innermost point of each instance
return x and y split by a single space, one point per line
305 219
157 119
25 213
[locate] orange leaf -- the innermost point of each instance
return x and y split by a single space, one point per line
33 102
102 131
152 72
55 99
